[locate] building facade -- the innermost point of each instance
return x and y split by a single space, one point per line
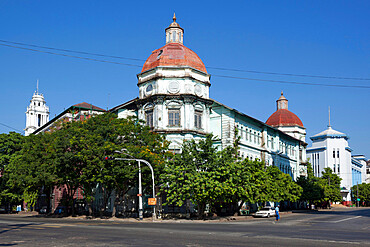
174 100
37 113
330 149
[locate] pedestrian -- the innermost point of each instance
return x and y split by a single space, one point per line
277 213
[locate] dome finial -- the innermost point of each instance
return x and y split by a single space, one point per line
174 33
282 102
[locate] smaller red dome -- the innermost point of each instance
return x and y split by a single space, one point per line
283 117
174 54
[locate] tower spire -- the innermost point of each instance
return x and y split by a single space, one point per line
37 86
282 102
329 118
174 33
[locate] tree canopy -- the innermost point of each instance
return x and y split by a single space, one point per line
73 156
207 176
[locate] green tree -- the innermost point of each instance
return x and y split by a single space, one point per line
10 145
32 168
330 183
107 134
363 193
199 174
80 148
207 176
312 189
280 186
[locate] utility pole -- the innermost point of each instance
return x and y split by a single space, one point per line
329 188
357 195
140 187
140 195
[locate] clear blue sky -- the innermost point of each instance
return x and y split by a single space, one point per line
329 38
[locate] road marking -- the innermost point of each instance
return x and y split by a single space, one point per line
347 219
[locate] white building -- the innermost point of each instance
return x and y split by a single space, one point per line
37 113
174 99
330 149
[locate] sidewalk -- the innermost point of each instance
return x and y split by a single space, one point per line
149 219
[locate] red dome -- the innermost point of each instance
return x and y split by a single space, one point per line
174 54
283 117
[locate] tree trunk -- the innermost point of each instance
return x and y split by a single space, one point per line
201 208
89 206
116 200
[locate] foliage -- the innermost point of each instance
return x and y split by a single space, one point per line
280 186
73 156
32 168
363 193
207 176
330 183
312 189
10 145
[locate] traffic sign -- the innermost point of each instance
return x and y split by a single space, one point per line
152 201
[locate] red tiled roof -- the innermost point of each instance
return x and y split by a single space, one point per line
174 54
88 106
283 117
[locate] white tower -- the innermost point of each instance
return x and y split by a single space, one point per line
37 113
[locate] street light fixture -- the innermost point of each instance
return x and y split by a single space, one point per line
140 187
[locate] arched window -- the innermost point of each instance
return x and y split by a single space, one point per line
149 115
198 115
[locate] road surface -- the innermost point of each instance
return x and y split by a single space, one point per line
337 227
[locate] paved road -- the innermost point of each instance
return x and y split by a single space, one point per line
339 227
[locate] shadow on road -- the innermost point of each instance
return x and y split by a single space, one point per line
15 227
365 212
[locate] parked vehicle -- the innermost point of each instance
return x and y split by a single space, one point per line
3 210
44 210
62 211
265 212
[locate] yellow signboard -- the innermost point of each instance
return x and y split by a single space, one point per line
152 201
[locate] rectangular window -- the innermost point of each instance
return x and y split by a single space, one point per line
334 153
338 169
338 153
39 120
149 118
272 143
174 117
198 120
334 168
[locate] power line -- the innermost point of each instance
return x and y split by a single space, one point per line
11 127
224 76
297 75
293 82
209 67
72 56
74 51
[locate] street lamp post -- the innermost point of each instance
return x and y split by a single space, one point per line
140 187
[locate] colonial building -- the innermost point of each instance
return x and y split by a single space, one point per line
174 99
76 112
37 113
330 149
